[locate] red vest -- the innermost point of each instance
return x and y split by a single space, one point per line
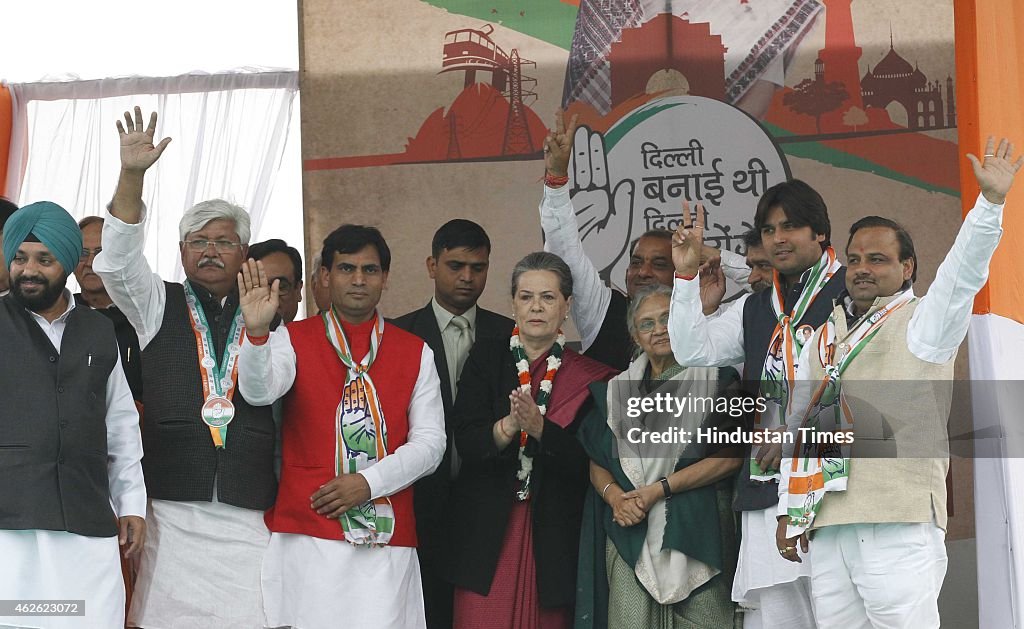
308 433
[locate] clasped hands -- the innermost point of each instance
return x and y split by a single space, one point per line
631 507
524 415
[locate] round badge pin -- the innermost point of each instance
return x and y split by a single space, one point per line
218 412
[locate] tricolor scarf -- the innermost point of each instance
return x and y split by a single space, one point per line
779 373
818 468
361 434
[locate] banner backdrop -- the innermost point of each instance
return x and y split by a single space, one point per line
419 111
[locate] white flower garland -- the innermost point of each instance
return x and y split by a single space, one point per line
554 362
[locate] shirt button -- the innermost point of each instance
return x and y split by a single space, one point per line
60 389
53 359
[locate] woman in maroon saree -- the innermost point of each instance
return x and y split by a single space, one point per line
515 522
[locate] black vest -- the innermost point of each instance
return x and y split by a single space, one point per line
53 429
758 325
613 345
127 343
181 462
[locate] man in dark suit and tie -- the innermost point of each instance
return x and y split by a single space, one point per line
450 323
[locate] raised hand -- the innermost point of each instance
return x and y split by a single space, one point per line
258 299
688 241
137 149
995 172
558 145
604 211
712 285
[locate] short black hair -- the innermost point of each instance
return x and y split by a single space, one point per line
6 209
752 238
459 232
351 238
661 234
260 250
902 236
802 205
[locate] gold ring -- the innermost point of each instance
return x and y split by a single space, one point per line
989 155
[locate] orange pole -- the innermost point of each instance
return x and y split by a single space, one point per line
990 92
6 119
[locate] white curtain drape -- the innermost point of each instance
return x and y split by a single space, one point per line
230 134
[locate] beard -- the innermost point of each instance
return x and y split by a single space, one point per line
38 300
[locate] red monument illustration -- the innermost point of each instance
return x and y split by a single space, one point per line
489 120
874 116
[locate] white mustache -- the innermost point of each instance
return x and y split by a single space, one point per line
211 262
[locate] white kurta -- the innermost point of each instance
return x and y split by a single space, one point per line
57 565
307 580
591 296
201 567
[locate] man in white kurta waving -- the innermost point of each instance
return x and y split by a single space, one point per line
885 358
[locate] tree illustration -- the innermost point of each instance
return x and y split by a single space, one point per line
854 117
813 98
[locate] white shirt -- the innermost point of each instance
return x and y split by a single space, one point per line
940 322
450 338
591 296
267 372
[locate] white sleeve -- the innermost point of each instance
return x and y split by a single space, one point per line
734 266
124 447
698 341
131 284
266 372
940 322
590 295
421 453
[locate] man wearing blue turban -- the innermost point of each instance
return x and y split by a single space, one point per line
49 225
71 481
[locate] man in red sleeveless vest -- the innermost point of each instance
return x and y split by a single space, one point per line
363 420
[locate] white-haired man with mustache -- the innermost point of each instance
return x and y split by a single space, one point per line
209 454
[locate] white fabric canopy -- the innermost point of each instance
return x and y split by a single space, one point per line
230 140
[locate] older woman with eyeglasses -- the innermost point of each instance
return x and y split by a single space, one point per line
519 495
658 544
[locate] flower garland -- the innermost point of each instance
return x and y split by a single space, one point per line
523 367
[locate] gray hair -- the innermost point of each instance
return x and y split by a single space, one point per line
639 298
544 261
205 211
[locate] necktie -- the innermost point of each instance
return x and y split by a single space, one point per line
463 342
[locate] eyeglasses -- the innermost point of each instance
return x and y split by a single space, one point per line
222 246
86 252
647 325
